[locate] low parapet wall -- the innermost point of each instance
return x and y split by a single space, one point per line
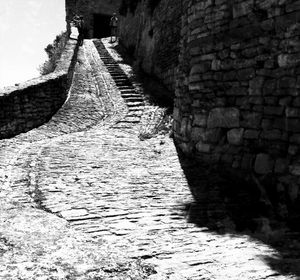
34 102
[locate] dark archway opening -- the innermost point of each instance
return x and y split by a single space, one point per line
101 25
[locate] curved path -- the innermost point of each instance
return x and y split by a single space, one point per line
91 166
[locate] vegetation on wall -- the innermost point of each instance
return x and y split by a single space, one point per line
54 52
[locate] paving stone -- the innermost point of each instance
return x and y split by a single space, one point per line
122 190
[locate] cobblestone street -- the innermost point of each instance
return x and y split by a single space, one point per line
102 165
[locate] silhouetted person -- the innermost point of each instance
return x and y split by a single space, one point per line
113 27
79 23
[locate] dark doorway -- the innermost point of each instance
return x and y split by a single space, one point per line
101 25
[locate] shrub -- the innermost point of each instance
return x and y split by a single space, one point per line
54 52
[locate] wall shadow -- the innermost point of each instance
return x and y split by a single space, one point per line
228 203
152 87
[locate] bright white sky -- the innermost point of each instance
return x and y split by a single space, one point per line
26 28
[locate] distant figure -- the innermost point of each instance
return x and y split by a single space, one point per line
79 23
75 19
113 27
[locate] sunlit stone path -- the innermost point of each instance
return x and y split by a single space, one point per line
102 165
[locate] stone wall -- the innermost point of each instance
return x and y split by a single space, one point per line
34 102
238 90
152 33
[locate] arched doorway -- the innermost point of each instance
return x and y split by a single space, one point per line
101 26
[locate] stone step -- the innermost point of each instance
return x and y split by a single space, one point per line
134 104
126 87
133 114
131 94
131 119
118 76
130 99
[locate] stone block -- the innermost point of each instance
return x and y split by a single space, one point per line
271 100
263 164
241 9
195 78
273 134
195 86
235 136
293 125
185 127
230 76
283 60
293 191
257 108
273 110
216 64
292 112
270 64
269 87
242 102
236 163
176 114
251 119
251 134
256 85
185 147
293 150
293 6
224 117
285 101
195 51
227 158
295 169
203 148
296 102
200 120
237 91
200 68
295 139
287 82
257 100
281 165
197 134
288 60
224 54
246 74
212 135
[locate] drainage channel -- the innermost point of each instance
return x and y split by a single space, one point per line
133 99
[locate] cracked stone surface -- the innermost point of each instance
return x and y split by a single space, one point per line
96 184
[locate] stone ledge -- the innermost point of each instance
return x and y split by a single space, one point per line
33 102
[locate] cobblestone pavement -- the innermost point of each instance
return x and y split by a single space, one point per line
101 165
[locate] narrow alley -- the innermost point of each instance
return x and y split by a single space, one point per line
103 178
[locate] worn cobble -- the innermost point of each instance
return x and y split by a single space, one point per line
94 170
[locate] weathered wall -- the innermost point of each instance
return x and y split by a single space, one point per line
153 33
237 81
34 102
238 92
87 8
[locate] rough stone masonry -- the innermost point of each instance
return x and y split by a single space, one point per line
236 83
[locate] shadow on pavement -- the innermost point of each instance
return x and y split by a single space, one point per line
226 203
152 87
